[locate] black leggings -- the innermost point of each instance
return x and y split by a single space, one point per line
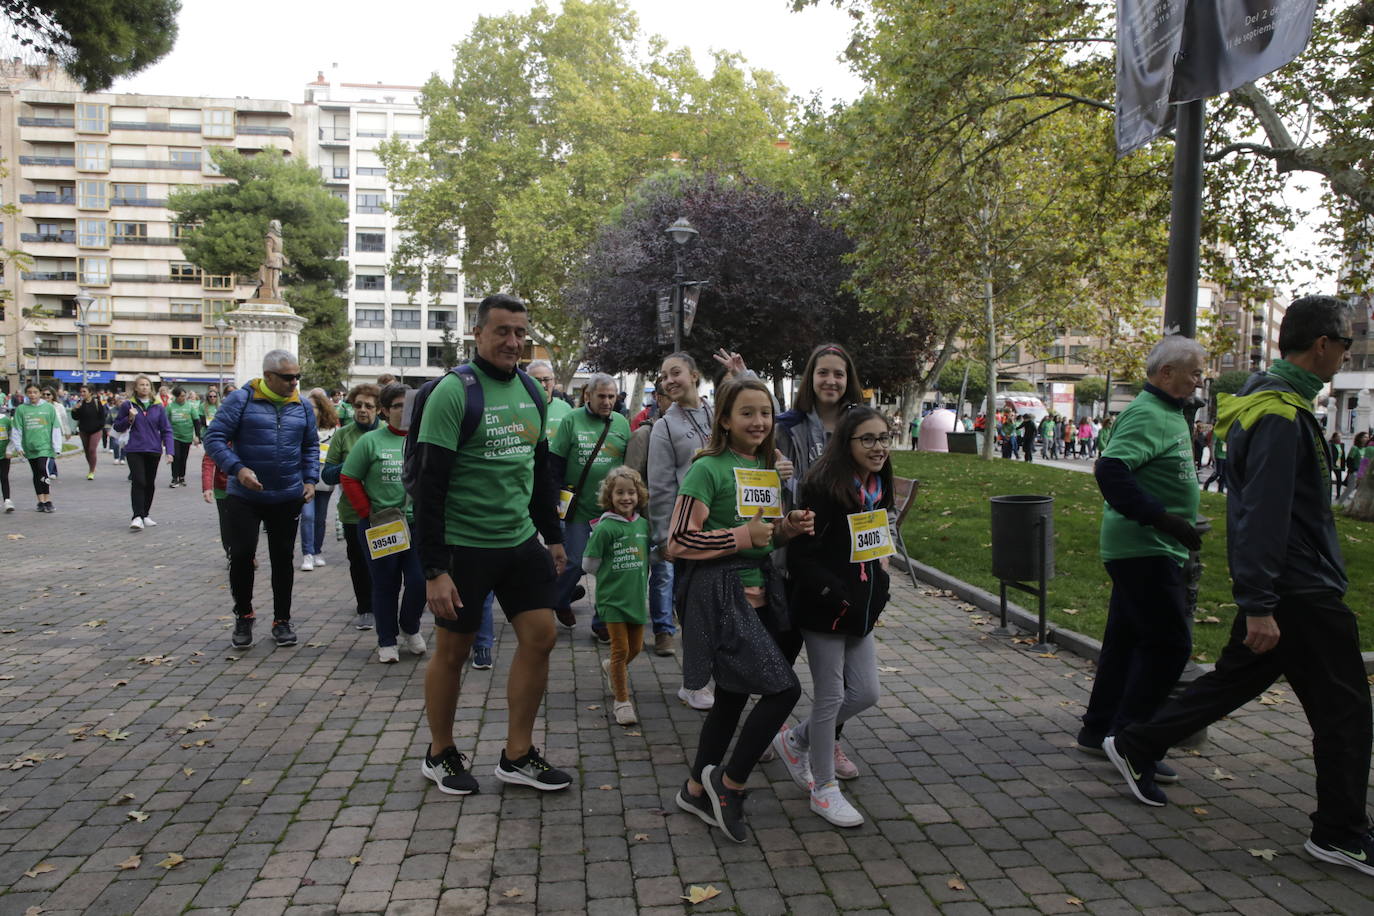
357 569
180 452
4 478
768 715
143 470
39 467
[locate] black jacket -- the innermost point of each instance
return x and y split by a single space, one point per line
89 417
829 594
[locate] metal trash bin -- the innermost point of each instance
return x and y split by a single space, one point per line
962 443
1018 537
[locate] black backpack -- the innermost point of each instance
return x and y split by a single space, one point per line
474 405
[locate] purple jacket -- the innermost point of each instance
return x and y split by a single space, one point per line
150 431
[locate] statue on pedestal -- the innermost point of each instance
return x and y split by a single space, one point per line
269 275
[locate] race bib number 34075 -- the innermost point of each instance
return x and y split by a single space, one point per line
869 536
755 489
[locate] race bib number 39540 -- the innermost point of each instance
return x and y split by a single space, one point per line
755 489
385 540
869 536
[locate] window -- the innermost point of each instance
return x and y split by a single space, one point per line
188 158
1078 354
97 348
92 233
405 354
218 350
214 310
185 346
181 230
371 202
217 281
92 195
438 320
405 318
48 232
127 232
92 118
186 309
369 353
450 282
93 271
217 122
396 198
98 312
370 318
131 344
369 241
369 163
369 281
405 282
124 193
92 157
184 271
372 124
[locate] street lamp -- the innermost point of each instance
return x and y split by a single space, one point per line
222 327
680 232
84 300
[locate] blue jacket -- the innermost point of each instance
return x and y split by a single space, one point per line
279 444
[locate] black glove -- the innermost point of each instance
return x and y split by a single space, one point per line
1180 529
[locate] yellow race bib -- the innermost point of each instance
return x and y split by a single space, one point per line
755 489
869 536
387 539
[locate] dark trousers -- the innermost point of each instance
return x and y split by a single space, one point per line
38 467
179 454
1008 446
1027 447
244 520
1219 475
223 524
1145 646
389 574
143 471
89 446
358 569
1319 653
4 478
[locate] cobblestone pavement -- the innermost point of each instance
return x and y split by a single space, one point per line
287 781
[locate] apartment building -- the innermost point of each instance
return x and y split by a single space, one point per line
91 175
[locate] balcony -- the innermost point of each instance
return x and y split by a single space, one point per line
157 354
260 130
145 240
47 160
334 173
47 122
62 275
66 235
137 202
154 164
47 197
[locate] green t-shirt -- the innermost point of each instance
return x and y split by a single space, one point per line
711 480
5 422
575 439
35 423
183 418
345 412
207 412
622 580
557 410
339 447
1151 438
376 460
493 475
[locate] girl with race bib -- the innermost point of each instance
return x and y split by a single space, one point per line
837 593
725 522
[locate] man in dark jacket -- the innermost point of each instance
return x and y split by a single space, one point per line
1288 581
264 439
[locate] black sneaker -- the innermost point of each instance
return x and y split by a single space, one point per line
1139 775
700 805
601 634
578 593
481 658
532 770
565 616
1358 855
1090 743
49 507
726 803
1165 774
450 772
283 633
243 633
364 622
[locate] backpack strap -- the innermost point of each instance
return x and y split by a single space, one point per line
474 401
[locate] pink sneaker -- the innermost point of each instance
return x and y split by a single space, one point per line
844 767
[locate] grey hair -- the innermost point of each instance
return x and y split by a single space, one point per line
600 380
275 359
1173 350
539 364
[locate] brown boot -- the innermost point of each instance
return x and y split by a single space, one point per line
663 644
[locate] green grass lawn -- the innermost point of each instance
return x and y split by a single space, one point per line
949 528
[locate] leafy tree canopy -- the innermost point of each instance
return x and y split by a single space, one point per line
225 225
1230 382
95 41
1090 390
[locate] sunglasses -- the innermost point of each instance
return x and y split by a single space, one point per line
1348 341
286 377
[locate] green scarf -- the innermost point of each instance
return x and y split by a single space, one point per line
261 387
1304 383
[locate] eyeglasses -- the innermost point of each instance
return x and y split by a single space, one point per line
871 441
286 377
1348 341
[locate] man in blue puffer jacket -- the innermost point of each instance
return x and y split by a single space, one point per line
263 438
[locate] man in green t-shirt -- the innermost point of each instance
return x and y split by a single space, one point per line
541 370
478 506
184 415
580 458
1148 479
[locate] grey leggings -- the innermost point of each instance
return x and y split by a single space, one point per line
844 677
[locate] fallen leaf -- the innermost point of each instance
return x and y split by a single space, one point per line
95 623
9 630
33 911
1073 901
307 882
131 862
885 669
605 788
1199 810
956 885
1069 610
513 892
123 799
1209 619
594 706
120 684
42 868
6 677
247 782
641 837
1046 655
117 735
355 860
634 734
15 537
698 894
1265 854
314 645
137 816
172 861
187 771
1218 775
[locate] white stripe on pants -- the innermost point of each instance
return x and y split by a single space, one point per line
844 677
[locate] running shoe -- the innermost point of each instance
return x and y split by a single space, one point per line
726 803
136 524
414 643
9 505
243 633
1358 855
388 655
625 713
578 593
284 633
601 634
700 805
149 523
1139 775
49 507
565 617
450 772
532 770
702 699
319 560
1090 744
844 767
663 645
364 622
829 802
1165 774
794 758
481 658
91 476
308 563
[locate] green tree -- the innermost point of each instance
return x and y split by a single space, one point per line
95 41
225 225
1229 382
952 377
1090 390
547 123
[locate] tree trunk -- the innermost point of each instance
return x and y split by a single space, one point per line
922 385
990 318
778 393
1362 507
636 400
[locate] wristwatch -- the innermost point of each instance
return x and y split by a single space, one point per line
434 572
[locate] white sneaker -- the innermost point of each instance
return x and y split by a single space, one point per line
414 643
829 802
9 505
625 713
135 524
388 655
319 560
308 564
697 699
794 758
149 523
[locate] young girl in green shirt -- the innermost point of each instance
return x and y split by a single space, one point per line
34 422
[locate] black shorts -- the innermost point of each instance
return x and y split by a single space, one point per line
522 578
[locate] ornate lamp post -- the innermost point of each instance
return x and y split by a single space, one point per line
83 303
680 232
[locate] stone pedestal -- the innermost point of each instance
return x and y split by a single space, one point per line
262 325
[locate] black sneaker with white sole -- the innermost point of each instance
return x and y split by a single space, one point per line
726 803
1138 773
284 633
700 805
1358 855
1090 744
1165 775
532 770
243 633
450 772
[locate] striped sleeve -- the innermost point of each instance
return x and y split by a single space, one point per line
687 540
